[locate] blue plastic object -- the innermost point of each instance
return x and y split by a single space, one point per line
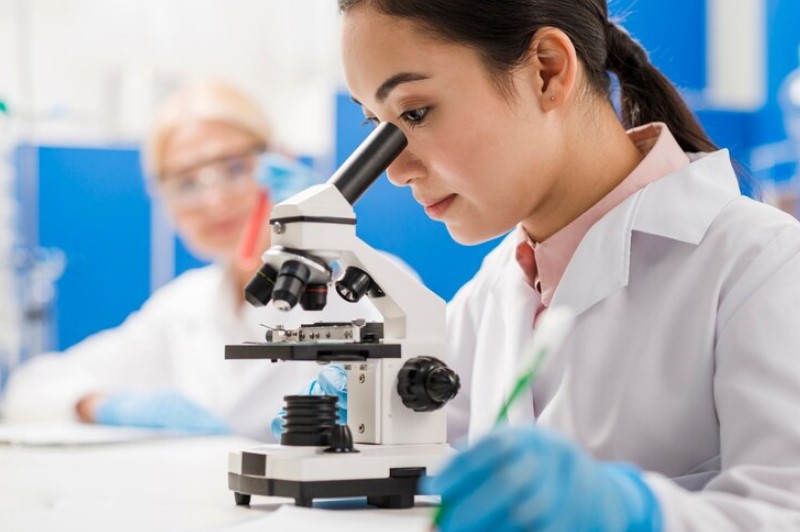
528 478
284 176
158 410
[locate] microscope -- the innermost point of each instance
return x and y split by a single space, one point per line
396 377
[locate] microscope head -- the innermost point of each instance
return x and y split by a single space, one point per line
312 228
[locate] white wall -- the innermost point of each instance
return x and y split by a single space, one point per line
94 69
736 54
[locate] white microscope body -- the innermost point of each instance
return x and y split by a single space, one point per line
397 384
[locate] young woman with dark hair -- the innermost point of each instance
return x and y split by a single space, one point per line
674 402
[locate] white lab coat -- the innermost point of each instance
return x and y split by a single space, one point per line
685 356
177 341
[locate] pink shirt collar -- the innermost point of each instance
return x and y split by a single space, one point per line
663 156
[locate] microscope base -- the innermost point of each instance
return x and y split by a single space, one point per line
387 475
394 492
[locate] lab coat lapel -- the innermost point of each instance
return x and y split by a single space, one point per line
702 189
601 263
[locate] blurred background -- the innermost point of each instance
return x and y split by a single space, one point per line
81 244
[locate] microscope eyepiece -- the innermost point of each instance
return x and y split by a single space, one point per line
369 161
259 290
289 285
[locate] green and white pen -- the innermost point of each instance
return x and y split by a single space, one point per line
547 338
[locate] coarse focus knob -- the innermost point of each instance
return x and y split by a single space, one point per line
426 384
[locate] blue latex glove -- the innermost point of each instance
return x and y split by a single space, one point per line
284 176
527 478
159 409
332 380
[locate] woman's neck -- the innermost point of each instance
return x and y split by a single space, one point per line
241 272
595 162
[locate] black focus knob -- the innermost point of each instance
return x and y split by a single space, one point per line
425 384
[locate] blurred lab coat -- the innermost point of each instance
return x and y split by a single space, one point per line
177 341
685 356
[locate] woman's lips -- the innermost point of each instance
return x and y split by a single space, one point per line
437 210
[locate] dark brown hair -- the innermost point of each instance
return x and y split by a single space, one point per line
501 31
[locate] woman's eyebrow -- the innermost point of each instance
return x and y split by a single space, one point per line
392 82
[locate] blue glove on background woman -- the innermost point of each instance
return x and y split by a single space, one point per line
332 380
158 410
528 478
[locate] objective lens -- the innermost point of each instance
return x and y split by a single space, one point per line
259 290
290 284
314 297
354 284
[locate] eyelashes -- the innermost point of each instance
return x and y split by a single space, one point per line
412 118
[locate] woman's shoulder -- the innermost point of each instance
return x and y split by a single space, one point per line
757 224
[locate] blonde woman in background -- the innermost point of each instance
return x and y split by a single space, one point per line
164 367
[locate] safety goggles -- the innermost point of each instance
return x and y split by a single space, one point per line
231 174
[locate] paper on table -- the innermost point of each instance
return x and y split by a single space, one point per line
291 518
73 434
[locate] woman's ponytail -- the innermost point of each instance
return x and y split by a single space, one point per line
646 95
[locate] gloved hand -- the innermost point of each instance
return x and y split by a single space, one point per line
332 380
159 409
284 176
527 478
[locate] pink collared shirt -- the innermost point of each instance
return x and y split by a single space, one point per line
546 265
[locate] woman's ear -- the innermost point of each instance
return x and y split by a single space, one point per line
551 67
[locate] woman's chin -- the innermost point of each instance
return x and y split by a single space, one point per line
472 236
212 252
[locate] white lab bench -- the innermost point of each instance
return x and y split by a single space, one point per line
153 485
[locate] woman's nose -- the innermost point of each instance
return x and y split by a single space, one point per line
215 197
404 169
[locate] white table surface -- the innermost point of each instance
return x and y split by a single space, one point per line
174 484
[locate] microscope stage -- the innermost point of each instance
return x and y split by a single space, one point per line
313 351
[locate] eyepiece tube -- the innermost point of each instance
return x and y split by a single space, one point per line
368 161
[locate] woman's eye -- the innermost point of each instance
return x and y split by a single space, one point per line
184 184
236 167
414 117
